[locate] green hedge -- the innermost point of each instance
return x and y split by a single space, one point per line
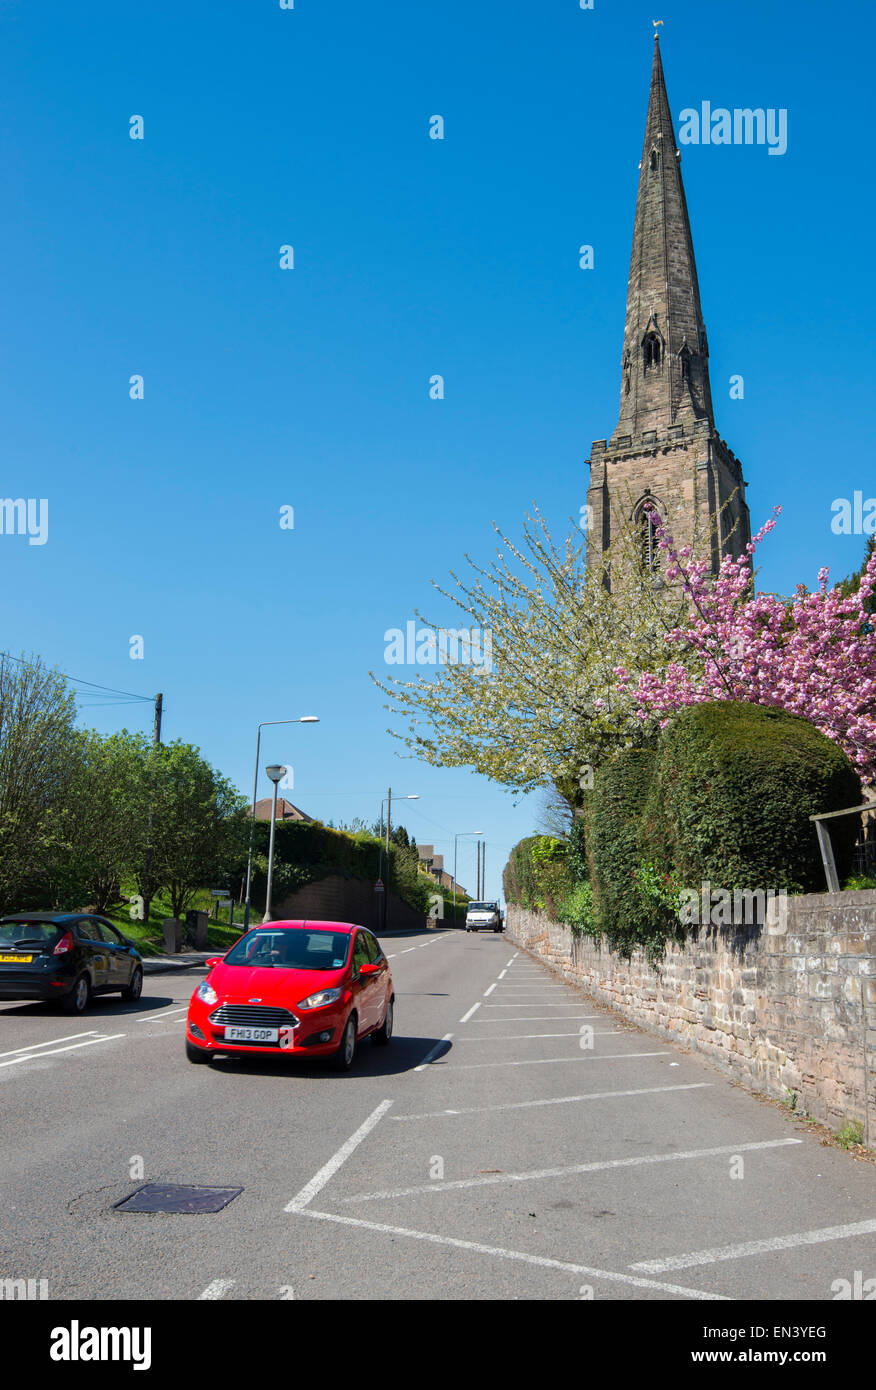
614 843
734 789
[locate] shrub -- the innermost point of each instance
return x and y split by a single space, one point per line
734 788
625 915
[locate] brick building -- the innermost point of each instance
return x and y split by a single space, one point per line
666 452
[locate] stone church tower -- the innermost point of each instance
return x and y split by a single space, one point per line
665 451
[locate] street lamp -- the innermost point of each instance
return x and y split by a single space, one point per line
275 772
461 836
305 719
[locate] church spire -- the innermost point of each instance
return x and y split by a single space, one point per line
665 374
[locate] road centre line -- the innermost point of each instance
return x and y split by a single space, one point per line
427 1060
490 990
545 1061
513 958
757 1247
50 1042
503 973
557 1100
465 1018
328 1170
600 1165
167 1013
217 1289
53 1052
498 1252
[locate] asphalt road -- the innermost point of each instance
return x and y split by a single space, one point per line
494 1151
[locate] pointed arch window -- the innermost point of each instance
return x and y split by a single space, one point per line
652 350
645 518
653 161
684 357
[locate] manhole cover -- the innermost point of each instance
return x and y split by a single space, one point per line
174 1197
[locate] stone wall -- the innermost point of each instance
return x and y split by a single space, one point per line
789 1007
337 899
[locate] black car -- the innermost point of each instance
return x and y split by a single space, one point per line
67 956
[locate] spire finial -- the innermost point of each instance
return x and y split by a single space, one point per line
656 23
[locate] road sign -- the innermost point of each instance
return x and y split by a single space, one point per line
378 887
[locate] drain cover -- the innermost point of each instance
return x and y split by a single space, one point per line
174 1197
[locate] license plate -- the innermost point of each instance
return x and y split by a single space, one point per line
239 1034
15 960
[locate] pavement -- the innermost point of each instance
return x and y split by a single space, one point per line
515 1142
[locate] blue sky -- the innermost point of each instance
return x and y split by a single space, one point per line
309 387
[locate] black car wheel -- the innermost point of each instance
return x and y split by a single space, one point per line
196 1054
384 1033
343 1058
133 991
76 1002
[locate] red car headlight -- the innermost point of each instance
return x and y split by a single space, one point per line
320 999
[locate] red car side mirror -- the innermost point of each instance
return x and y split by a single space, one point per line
212 960
368 969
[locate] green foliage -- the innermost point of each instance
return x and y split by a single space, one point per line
858 881
734 789
576 910
623 913
537 874
305 851
851 1134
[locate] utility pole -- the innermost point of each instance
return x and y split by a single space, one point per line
156 728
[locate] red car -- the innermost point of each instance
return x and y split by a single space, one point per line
300 988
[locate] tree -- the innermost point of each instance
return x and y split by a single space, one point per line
549 707
110 793
38 755
196 831
813 655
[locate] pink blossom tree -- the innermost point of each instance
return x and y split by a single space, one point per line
814 654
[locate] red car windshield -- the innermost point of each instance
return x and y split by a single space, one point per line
293 948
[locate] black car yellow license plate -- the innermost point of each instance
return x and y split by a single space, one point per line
6 959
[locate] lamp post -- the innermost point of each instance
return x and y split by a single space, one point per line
387 802
461 836
275 772
305 719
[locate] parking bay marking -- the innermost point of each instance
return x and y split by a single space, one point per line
514 1037
499 1252
757 1247
217 1289
328 1170
599 1165
433 1052
53 1052
156 1018
546 1061
556 1100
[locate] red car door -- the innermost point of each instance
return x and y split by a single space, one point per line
365 987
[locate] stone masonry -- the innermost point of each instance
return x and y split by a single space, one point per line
788 1009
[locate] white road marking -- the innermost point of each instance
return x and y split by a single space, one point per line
557 1100
391 956
427 1060
328 1170
514 957
53 1052
50 1042
465 1018
217 1289
167 1013
535 1004
407 948
513 1037
757 1247
600 1165
498 1252
490 990
546 1061
503 973
539 1018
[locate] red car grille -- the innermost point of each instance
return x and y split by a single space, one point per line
253 1016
